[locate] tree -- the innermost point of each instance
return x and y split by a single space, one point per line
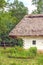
2 5
18 10
10 18
39 5
6 24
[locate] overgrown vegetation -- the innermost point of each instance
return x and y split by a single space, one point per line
8 19
18 51
9 56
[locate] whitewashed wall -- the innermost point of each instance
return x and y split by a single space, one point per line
28 42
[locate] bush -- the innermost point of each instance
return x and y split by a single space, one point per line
20 42
18 51
32 51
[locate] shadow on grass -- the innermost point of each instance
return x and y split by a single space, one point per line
20 57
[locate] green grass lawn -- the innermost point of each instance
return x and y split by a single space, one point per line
6 60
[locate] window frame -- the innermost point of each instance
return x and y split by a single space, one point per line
34 42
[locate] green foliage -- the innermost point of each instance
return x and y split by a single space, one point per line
32 51
6 24
2 3
18 51
18 10
13 60
20 42
10 17
39 5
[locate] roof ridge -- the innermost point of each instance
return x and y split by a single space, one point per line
33 16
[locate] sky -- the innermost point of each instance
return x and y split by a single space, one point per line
28 4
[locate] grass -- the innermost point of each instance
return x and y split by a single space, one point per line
5 60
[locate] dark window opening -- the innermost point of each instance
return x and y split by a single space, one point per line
34 42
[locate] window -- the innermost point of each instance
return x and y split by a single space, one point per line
34 42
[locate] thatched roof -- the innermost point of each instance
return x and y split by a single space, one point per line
30 25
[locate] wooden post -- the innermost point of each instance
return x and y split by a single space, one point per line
4 44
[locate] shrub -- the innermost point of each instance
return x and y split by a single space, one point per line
18 51
32 51
20 42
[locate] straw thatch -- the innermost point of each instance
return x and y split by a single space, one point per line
30 25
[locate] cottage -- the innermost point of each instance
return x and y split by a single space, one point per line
30 29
